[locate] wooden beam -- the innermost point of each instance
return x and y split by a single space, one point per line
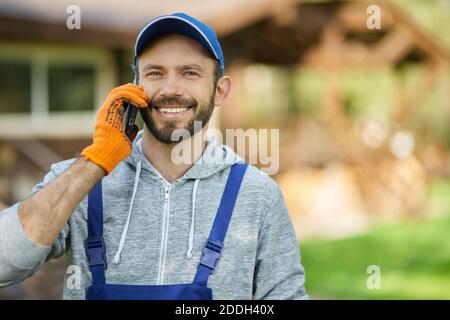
37 152
15 29
421 38
392 48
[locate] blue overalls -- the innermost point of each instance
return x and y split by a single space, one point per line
197 290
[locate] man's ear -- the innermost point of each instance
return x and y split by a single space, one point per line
222 90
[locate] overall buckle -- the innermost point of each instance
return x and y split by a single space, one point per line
211 254
95 251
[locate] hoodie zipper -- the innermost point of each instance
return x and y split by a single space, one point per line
165 231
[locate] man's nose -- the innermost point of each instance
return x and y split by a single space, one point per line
170 87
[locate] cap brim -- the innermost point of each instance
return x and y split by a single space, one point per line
171 24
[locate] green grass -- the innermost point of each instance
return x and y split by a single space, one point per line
414 258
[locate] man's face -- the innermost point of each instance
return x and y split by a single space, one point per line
178 76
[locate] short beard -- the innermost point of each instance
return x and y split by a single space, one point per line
164 135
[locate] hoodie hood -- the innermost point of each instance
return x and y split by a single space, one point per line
215 158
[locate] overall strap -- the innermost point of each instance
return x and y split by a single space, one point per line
94 244
212 250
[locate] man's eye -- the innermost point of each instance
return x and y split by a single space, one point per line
154 73
191 74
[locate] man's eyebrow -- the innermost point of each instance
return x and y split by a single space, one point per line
181 67
152 66
191 66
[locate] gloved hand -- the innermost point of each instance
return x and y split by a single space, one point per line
110 143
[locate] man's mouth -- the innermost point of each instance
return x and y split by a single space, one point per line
172 109
174 112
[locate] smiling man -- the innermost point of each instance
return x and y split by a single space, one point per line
170 108
136 225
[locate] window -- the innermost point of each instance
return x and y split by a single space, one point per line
71 87
53 90
15 87
45 79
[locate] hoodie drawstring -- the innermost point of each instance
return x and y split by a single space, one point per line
191 231
116 259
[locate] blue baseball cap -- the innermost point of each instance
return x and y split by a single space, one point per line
180 23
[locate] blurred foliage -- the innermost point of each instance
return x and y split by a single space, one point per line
267 88
439 196
368 92
433 15
309 86
275 93
414 258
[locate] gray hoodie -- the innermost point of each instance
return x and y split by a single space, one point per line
154 232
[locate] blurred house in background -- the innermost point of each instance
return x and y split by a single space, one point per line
363 114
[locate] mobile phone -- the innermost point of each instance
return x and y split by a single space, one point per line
130 117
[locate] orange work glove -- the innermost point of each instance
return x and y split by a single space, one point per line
110 143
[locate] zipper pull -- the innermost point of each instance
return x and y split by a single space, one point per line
166 195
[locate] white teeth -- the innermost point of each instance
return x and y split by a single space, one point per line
172 110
